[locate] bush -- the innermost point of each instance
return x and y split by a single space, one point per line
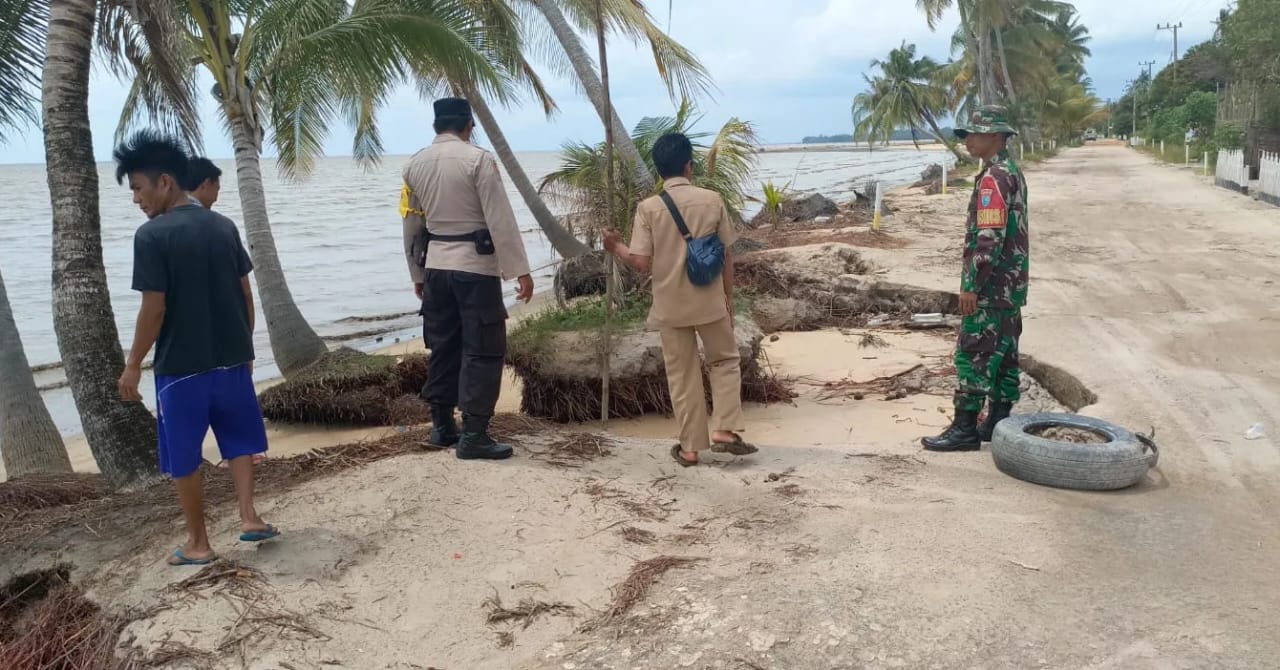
1228 136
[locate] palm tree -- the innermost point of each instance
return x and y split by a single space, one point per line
681 71
507 42
905 95
724 165
294 68
122 436
977 18
29 440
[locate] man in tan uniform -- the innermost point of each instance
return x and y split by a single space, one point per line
454 202
683 311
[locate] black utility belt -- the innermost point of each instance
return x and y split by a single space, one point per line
482 238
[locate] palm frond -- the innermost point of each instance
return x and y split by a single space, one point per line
143 41
725 165
22 31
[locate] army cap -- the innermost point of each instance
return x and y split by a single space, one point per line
452 108
992 119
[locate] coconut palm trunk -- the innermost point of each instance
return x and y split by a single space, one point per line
584 67
988 91
294 344
1004 67
561 239
29 440
122 436
951 145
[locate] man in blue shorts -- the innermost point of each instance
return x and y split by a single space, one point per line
197 310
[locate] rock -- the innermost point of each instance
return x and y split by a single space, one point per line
809 207
931 174
746 245
785 314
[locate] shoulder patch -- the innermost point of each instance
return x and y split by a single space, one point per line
993 212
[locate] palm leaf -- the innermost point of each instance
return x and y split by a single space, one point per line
22 31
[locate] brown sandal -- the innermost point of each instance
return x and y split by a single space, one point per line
737 447
684 463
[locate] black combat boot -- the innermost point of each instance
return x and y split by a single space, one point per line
996 412
444 431
962 435
476 443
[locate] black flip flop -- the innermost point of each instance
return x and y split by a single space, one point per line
684 463
737 447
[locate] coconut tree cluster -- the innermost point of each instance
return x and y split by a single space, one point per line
286 72
1027 55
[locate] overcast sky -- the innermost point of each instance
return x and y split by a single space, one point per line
791 68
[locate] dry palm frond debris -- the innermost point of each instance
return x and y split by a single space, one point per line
34 492
872 340
636 586
638 535
526 612
223 575
47 623
574 449
915 380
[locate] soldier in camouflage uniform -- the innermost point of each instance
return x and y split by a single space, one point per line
993 286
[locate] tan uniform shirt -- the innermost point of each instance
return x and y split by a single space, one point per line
677 302
454 188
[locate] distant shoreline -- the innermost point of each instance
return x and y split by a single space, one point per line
925 145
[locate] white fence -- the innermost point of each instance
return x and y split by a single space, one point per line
1269 178
1136 141
1232 173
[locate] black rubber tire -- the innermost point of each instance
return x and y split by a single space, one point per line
1120 463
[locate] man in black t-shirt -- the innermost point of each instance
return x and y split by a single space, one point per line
197 310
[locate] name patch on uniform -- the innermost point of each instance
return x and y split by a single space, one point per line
993 213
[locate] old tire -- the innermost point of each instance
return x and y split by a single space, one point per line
1120 463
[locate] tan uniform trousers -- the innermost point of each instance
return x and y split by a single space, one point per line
684 378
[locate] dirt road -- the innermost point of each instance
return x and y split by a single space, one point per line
842 545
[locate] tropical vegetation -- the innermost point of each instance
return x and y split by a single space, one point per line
905 94
290 69
1241 62
723 162
1027 55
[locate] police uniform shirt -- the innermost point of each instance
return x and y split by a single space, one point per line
453 188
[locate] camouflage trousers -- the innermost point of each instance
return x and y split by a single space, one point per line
987 358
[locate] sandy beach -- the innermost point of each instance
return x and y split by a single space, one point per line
840 545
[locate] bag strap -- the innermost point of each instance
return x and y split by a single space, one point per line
675 214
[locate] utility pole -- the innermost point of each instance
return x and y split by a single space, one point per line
1174 28
1146 66
1133 92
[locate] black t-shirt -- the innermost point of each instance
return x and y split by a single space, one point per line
194 257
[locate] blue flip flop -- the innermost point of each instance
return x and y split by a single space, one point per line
260 535
183 559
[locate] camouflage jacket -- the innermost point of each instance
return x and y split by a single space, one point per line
997 245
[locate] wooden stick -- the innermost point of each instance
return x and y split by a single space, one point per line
610 284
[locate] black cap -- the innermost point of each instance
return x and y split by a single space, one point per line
452 108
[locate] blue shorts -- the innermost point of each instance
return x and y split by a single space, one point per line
187 406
